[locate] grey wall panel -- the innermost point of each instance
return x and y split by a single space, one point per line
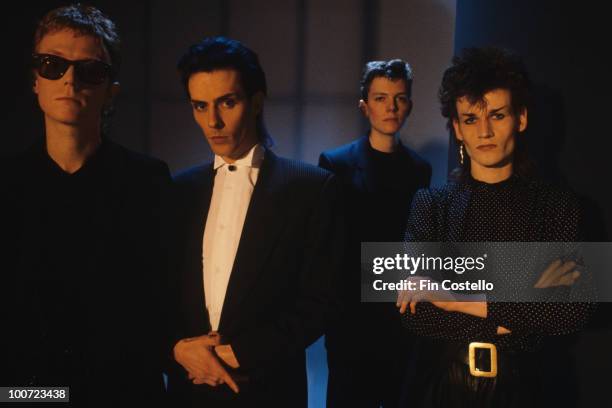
422 33
333 47
279 119
269 28
327 126
176 136
173 28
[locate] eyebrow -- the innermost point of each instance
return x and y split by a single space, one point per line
498 109
471 114
53 51
219 99
385 93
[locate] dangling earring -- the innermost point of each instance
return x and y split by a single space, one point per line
461 153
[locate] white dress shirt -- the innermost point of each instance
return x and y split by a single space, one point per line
232 190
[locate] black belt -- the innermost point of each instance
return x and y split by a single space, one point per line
483 359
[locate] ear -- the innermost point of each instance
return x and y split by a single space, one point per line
410 105
257 102
35 85
458 134
363 107
523 120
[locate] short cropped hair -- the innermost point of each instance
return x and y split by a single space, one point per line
394 69
84 20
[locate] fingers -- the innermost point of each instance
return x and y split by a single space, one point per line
230 382
558 273
568 279
214 381
208 380
545 276
402 307
403 298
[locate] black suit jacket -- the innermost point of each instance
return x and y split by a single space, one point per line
280 296
101 329
375 213
354 168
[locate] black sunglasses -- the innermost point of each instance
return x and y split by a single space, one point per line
92 72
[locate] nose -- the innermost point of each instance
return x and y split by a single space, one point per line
484 129
392 105
70 78
214 119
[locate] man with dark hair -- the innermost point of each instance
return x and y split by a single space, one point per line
484 95
84 222
473 75
380 175
257 243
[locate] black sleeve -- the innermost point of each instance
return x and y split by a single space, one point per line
429 320
567 309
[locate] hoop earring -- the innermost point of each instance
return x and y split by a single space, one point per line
461 153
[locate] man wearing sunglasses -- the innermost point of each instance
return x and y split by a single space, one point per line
86 214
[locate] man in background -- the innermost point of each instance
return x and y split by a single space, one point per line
367 349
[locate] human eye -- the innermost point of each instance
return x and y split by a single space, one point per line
470 121
379 98
228 103
198 106
499 116
402 99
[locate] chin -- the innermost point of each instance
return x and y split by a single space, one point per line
389 132
223 151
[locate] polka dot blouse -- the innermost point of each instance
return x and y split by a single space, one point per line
518 210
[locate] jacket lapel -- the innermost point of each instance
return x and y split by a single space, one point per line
195 205
363 173
262 226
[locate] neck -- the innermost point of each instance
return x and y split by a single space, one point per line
383 142
243 150
71 146
491 175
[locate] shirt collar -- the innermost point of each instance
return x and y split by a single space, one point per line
252 159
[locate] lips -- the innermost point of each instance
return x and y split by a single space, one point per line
486 147
68 99
218 139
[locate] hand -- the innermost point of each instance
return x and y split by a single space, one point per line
558 273
502 330
443 299
226 353
446 300
196 356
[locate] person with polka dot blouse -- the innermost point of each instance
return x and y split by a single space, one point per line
493 197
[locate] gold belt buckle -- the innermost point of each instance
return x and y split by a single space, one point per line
472 356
